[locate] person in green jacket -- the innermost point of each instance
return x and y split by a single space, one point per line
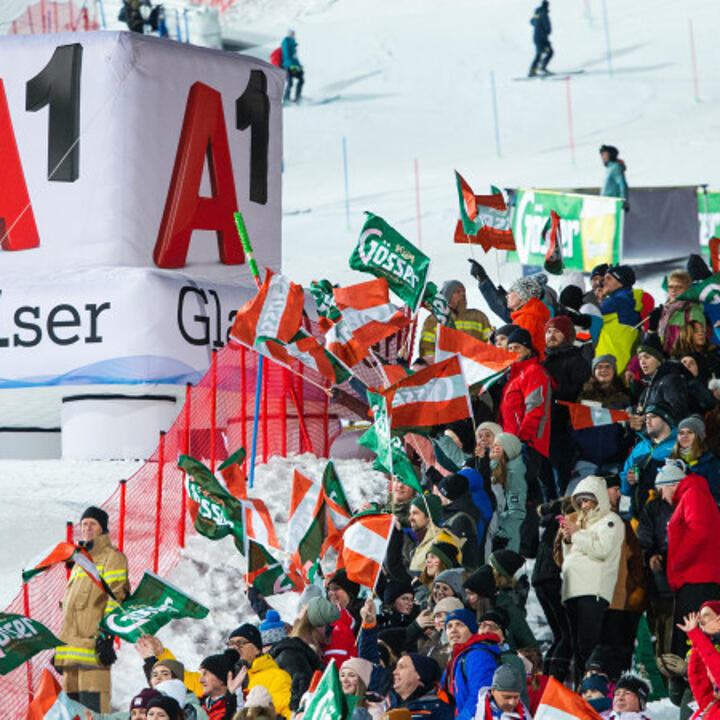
615 184
508 469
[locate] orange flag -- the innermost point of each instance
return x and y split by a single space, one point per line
50 701
561 703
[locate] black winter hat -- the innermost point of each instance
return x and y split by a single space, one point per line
652 346
522 337
97 514
697 267
571 297
447 552
482 582
465 432
499 616
427 669
662 410
612 150
612 480
506 562
222 664
506 330
600 269
340 578
394 639
453 486
394 589
250 633
636 685
624 274
168 704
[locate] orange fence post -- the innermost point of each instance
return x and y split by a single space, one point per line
158 501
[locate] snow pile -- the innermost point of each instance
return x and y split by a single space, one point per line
212 571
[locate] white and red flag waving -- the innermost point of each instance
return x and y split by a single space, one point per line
561 703
587 416
482 363
258 523
365 542
435 395
51 701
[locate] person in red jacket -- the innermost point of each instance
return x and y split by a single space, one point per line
693 563
703 667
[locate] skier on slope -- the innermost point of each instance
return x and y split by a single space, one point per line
541 37
293 68
615 184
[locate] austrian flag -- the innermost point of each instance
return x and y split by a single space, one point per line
365 541
435 395
587 416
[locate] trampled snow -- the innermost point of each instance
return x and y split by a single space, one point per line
402 80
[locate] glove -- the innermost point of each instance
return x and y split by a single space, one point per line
580 319
477 270
654 319
671 665
105 650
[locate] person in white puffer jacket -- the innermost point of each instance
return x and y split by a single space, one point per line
591 549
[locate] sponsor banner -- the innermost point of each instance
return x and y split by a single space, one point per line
112 326
114 147
708 215
590 226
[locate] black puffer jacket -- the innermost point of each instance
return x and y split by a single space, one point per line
653 538
300 661
668 385
545 566
569 370
461 518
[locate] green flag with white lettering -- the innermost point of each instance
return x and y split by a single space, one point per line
384 252
20 639
216 513
154 604
328 701
434 301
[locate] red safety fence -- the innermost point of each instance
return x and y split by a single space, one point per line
47 16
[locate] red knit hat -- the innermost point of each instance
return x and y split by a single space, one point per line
713 605
564 324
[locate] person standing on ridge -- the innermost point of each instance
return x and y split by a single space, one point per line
293 68
615 184
541 37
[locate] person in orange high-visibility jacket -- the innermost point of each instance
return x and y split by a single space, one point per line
85 657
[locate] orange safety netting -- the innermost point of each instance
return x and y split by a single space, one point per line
47 16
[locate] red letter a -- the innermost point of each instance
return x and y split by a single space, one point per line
203 135
17 221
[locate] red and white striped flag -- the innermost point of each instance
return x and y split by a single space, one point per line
275 312
561 703
481 362
435 395
365 542
587 416
50 701
304 499
258 524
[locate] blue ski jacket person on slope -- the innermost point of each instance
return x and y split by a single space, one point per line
293 68
615 184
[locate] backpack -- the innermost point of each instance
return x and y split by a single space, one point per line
276 57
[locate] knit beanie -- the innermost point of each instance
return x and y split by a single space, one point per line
564 324
694 423
395 588
624 274
697 267
713 605
465 617
311 591
449 287
507 679
453 486
453 578
612 480
522 337
481 582
168 704
607 358
220 665
497 615
672 472
97 514
662 410
464 431
527 287
493 427
341 579
600 269
636 685
143 698
427 669
320 611
250 633
431 503
259 697
571 297
272 629
652 346
175 689
506 562
505 330
447 605
595 682
448 553
510 444
362 668
176 668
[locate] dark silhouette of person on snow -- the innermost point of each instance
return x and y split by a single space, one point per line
541 37
293 68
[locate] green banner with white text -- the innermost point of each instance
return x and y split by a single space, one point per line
708 215
590 227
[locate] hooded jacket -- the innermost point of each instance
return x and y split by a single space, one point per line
461 517
266 672
692 556
591 558
423 704
532 316
653 538
300 661
510 519
621 302
525 405
704 659
667 385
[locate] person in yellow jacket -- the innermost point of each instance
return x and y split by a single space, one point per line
468 320
263 670
85 656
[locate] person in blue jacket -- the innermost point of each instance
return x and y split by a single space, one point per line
293 68
618 294
615 184
691 448
541 37
474 661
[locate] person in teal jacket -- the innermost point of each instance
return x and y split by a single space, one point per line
508 469
293 68
615 184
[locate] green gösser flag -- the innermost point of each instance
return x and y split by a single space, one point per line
434 301
218 513
328 701
154 604
384 252
20 639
